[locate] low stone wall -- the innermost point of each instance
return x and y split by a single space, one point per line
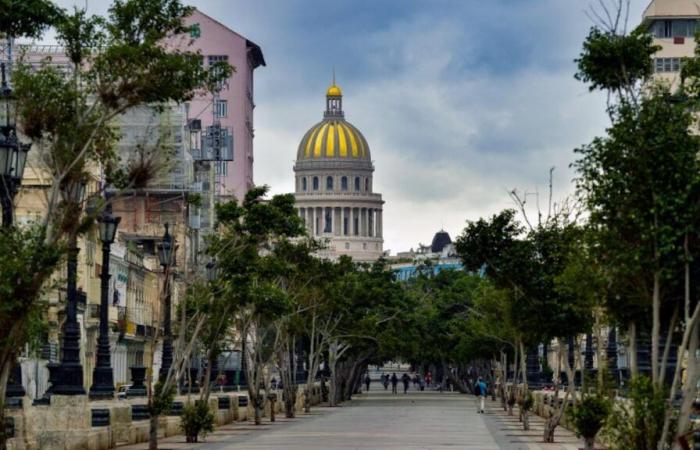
76 423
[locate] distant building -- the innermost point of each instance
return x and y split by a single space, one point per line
673 24
334 195
439 255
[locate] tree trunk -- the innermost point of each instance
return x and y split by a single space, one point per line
656 328
454 380
690 383
589 443
333 385
524 392
557 411
632 348
4 376
153 433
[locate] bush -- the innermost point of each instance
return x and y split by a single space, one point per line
637 422
589 416
196 420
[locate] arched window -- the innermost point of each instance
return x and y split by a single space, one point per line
303 184
357 184
366 184
329 183
315 183
344 183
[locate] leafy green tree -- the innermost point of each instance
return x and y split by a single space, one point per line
251 273
640 183
117 63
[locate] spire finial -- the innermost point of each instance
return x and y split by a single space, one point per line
333 76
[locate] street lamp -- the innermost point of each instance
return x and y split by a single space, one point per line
69 376
166 255
13 156
103 376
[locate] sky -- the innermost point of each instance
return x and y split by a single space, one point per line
461 101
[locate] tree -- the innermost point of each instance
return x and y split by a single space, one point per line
116 63
251 271
640 183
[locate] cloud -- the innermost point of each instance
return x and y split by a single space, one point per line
460 100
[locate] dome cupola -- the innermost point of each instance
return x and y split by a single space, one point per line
333 137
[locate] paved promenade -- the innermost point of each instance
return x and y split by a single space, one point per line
378 420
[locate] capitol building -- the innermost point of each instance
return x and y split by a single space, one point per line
334 193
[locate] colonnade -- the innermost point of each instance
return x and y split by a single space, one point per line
343 221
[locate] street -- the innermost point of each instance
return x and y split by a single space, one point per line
379 420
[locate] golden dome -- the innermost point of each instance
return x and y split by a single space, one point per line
334 91
333 138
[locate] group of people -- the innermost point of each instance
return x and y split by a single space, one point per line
480 388
386 379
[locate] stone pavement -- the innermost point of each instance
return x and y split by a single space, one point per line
381 421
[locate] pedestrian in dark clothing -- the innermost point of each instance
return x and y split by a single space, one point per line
394 382
406 379
385 381
368 380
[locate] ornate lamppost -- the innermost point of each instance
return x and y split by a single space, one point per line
13 157
69 374
166 255
103 376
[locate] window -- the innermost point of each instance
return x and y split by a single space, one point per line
315 183
674 28
221 108
221 168
667 65
195 31
213 60
347 246
366 184
303 184
357 184
329 183
364 246
344 183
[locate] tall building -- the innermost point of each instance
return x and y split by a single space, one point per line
234 106
673 24
333 175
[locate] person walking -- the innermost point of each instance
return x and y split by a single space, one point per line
385 381
429 379
368 380
406 380
394 382
481 391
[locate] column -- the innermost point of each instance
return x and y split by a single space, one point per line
313 221
352 221
365 222
342 221
337 225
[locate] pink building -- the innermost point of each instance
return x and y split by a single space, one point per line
235 105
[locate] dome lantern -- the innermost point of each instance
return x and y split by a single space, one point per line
334 100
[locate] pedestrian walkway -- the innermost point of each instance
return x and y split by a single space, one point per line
381 421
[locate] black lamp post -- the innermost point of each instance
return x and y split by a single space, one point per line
13 157
166 255
103 376
13 154
69 376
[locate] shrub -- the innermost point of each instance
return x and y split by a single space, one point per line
589 416
637 422
196 420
